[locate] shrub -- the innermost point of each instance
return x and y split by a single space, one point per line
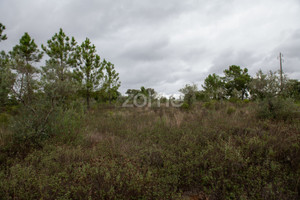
189 92
277 109
231 110
209 105
33 126
213 105
66 124
4 118
185 106
234 100
246 101
30 128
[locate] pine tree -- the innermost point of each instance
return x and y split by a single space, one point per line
7 79
88 71
111 80
24 55
213 85
237 79
57 75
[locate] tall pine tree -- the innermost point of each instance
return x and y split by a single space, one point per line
88 71
24 55
6 76
237 79
7 79
57 74
111 80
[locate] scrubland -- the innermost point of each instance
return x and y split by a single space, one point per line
216 150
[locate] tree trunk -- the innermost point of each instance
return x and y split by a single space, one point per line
29 92
243 94
88 99
109 96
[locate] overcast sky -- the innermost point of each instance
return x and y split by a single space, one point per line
165 44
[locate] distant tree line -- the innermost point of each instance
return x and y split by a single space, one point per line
146 92
237 84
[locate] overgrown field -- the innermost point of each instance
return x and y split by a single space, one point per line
217 150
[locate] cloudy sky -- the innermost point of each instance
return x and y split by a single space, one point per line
165 44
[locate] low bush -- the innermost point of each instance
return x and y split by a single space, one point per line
185 106
231 110
277 109
33 127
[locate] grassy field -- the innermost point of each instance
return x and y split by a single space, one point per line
216 150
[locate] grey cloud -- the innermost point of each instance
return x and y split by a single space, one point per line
166 44
145 50
231 57
290 49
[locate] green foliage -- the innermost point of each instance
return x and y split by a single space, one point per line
7 80
237 79
266 85
235 84
4 119
213 105
142 95
111 81
2 28
189 92
246 101
214 86
132 92
231 110
60 48
185 106
89 69
234 99
149 92
35 124
277 109
292 89
57 79
66 125
202 96
208 105
30 128
163 99
23 56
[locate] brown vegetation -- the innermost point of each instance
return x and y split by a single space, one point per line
218 150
